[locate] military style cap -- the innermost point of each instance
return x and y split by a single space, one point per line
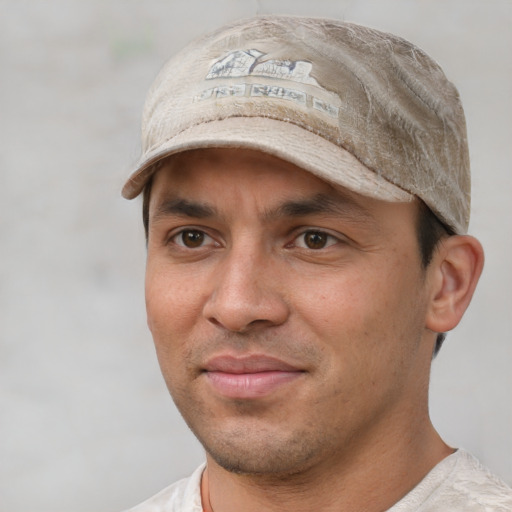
357 107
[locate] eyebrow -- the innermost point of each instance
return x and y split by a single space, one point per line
337 205
184 208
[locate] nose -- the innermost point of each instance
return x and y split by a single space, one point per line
247 293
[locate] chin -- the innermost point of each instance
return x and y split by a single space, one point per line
261 453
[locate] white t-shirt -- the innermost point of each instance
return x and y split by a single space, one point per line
459 483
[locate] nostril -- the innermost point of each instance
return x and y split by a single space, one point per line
215 322
240 328
246 319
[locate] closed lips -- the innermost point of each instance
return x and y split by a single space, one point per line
249 377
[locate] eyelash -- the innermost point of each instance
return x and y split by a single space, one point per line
179 237
198 237
323 237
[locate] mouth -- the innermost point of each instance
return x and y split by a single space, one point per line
249 377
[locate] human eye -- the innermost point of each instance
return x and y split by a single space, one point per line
192 239
315 239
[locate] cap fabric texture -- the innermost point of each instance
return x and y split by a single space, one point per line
357 107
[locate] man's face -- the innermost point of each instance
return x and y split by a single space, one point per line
288 315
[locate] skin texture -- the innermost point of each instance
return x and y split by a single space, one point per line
256 262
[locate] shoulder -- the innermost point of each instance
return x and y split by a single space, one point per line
474 484
459 483
182 496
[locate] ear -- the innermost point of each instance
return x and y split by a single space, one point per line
455 270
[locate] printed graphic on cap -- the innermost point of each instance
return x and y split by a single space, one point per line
244 63
251 62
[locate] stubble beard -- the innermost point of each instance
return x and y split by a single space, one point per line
256 450
256 439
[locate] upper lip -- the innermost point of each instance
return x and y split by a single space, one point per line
254 363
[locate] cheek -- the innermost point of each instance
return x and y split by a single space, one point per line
366 316
173 304
171 323
334 303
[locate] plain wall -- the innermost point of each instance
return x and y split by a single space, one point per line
86 422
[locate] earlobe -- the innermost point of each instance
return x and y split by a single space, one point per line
455 270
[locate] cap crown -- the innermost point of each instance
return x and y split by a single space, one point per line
372 94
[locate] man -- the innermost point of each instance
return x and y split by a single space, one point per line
306 203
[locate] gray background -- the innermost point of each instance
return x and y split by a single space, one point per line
86 423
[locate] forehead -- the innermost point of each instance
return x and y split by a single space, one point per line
217 173
193 168
221 179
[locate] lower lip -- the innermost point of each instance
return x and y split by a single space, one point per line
250 385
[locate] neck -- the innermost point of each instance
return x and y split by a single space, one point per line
370 477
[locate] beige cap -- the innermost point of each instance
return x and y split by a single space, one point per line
357 107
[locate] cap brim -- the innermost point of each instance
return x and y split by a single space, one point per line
281 139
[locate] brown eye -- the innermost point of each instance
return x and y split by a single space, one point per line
191 238
315 239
